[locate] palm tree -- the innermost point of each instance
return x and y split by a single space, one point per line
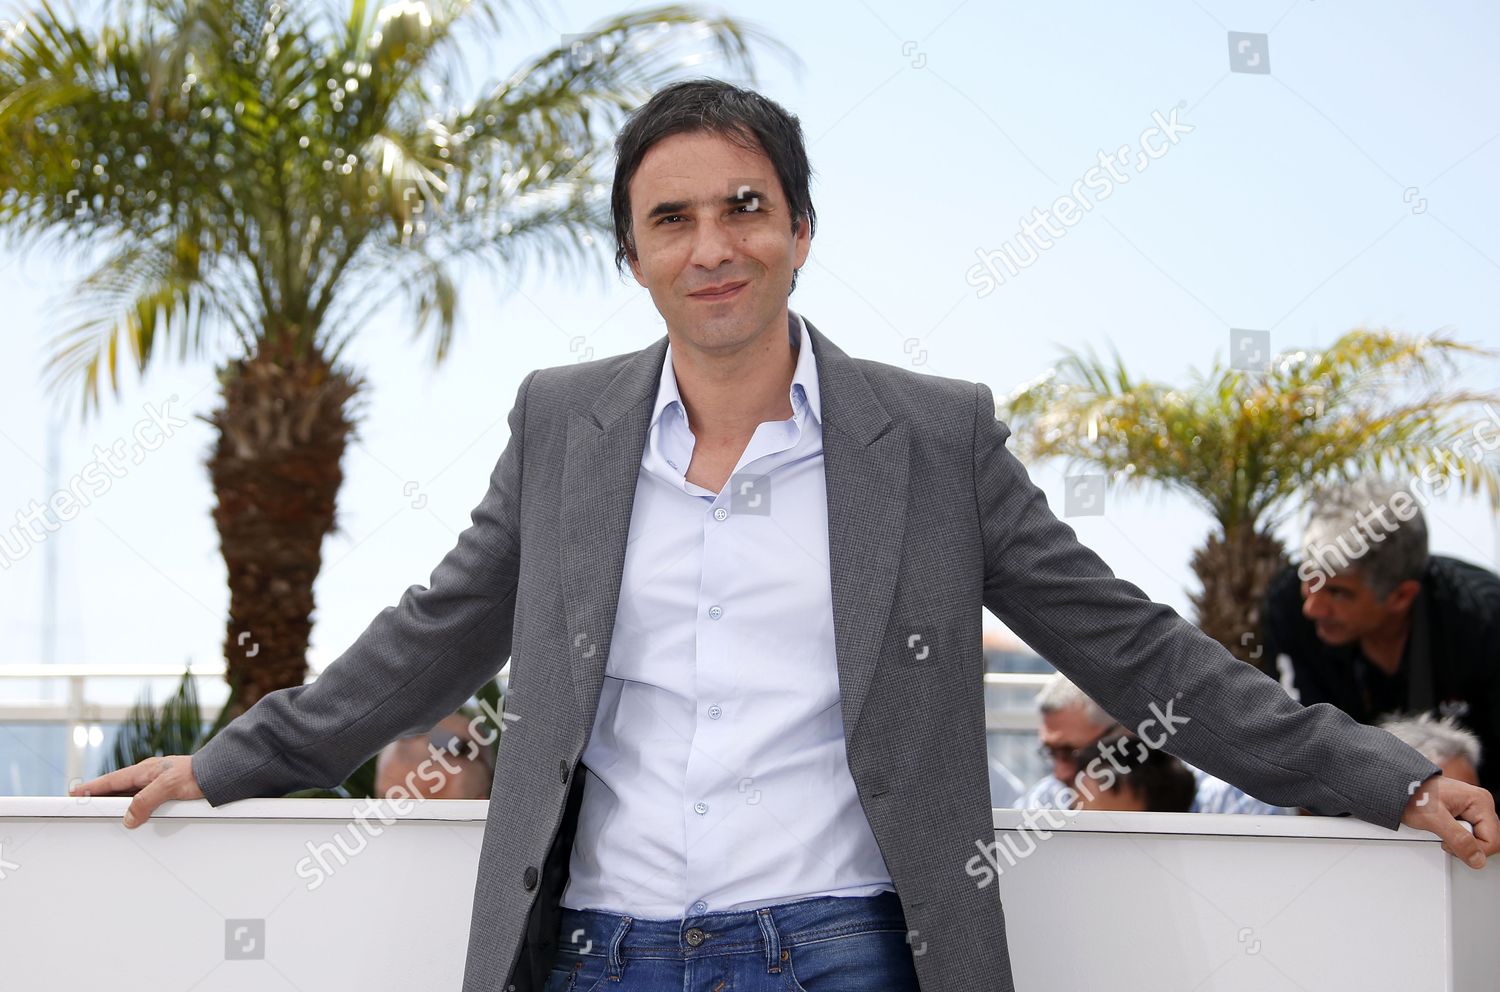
262 178
1246 445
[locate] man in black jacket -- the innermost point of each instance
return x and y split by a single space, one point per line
1373 624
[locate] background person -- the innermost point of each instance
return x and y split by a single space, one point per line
447 762
1441 741
1154 781
1071 721
1373 624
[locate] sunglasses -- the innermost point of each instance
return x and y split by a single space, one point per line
1069 755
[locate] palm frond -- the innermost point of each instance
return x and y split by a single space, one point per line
1246 445
147 732
139 297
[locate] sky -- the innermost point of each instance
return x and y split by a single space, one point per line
1349 186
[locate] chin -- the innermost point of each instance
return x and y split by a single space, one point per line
1337 640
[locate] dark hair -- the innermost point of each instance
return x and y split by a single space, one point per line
1164 783
743 116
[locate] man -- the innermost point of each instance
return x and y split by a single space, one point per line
1071 722
1148 781
1373 624
1443 742
740 585
449 762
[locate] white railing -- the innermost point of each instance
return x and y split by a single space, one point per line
85 713
1215 903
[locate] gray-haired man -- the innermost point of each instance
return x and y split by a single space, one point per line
1071 722
1372 623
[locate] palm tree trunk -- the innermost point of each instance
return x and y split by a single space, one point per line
276 474
1234 567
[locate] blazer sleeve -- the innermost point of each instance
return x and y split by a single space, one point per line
415 663
1158 674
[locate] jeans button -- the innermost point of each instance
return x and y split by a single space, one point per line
696 936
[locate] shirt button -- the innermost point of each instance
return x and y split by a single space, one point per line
699 906
714 712
671 463
720 513
715 612
700 808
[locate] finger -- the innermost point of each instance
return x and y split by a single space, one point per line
146 801
122 782
1480 812
1458 842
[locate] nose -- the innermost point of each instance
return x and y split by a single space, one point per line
712 245
1313 606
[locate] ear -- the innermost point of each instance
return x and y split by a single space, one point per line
1401 597
804 243
635 267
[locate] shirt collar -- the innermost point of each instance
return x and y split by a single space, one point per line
804 388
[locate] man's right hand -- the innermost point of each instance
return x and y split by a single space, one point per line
152 782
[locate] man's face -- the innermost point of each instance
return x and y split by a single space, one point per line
1064 732
1345 609
709 215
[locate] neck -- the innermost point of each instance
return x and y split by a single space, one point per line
728 393
1385 645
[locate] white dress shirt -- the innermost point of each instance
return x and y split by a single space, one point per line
717 777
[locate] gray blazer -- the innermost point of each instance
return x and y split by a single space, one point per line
930 517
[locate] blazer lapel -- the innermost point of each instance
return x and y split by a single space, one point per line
600 469
865 463
865 456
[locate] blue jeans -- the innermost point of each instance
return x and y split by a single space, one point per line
825 944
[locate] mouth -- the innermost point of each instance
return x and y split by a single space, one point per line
725 292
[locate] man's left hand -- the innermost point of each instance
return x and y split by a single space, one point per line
1437 805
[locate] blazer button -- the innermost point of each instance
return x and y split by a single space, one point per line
562 770
529 879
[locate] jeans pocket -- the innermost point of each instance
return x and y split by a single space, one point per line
874 959
573 972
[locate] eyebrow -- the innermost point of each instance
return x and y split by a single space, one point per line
669 207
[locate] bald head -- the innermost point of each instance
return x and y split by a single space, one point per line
445 763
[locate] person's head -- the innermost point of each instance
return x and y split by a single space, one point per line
1153 780
711 190
1365 550
447 762
1441 741
1070 721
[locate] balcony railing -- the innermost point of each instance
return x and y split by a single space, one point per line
86 703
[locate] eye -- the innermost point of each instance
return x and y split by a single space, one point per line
668 217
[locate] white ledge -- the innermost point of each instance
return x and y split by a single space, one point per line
246 809
1073 821
1212 824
